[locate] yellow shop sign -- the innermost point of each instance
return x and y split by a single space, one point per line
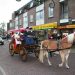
45 26
70 26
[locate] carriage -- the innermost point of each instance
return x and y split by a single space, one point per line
29 45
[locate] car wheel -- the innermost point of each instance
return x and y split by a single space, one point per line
3 43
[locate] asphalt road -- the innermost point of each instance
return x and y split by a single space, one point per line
14 66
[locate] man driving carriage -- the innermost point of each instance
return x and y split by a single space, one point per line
29 37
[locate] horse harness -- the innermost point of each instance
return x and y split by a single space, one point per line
58 49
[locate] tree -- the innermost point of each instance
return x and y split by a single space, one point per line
2 27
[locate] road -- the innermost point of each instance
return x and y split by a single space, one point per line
14 66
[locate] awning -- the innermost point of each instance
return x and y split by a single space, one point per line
66 26
45 26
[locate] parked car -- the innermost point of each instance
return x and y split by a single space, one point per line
3 37
1 41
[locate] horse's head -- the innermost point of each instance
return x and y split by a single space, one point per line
71 37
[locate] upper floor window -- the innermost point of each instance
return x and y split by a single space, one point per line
64 10
51 11
16 21
31 18
61 0
25 20
20 21
40 15
31 4
11 25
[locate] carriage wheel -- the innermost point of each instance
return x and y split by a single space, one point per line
37 52
11 51
23 54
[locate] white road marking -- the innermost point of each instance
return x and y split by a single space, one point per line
2 70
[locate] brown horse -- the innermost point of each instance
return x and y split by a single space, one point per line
64 46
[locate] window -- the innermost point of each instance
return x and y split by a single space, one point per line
31 18
25 20
50 11
11 25
40 14
31 4
40 17
20 21
16 23
61 0
64 10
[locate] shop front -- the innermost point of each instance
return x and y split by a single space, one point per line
45 26
67 28
44 30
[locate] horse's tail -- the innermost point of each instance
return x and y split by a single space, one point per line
41 52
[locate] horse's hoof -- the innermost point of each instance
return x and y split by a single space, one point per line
60 65
67 67
50 64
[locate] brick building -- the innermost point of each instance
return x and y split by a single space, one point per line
45 13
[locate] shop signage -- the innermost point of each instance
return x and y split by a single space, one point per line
61 27
67 26
70 26
45 26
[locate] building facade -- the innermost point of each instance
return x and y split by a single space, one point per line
45 12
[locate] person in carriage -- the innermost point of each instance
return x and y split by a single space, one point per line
15 39
28 37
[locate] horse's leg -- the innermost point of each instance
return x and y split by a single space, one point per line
66 58
62 54
41 56
46 54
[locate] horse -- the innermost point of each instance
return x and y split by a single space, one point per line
63 46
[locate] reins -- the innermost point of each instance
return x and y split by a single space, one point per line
54 50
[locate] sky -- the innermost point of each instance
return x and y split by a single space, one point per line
7 7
